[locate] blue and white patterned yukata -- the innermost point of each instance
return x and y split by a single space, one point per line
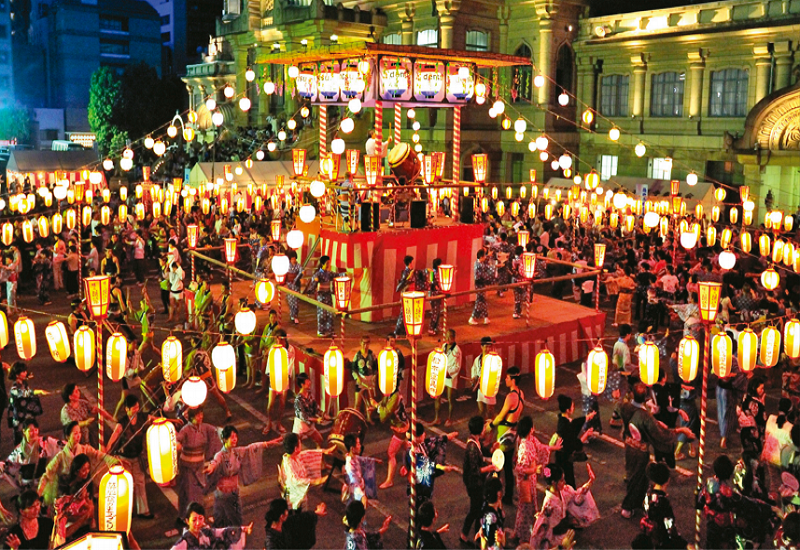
297 270
484 275
405 284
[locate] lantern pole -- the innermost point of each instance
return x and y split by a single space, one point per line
79 217
194 272
444 314
456 155
100 397
341 329
597 294
412 528
703 411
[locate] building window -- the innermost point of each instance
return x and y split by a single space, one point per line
608 166
166 37
114 47
522 81
565 70
666 96
477 41
114 24
429 38
164 20
660 169
614 95
393 38
728 93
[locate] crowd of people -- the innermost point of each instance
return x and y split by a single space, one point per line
649 281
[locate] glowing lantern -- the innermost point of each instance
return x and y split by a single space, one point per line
592 180
770 346
770 279
747 345
725 238
116 356
491 370
523 238
194 392
722 354
413 312
648 363
545 367
265 291
711 235
698 211
597 370
57 223
791 338
278 365
747 241
719 194
764 245
387 370
733 214
788 223
651 220
747 217
688 353
116 500
708 300
446 273
230 250
307 213
480 162
27 231
688 239
275 229
342 287
298 162
777 251
191 235
172 359
44 226
84 348
788 254
245 321
352 160
57 340
86 216
162 451
97 295
372 165
435 373
333 364
727 259
25 338
223 357
3 330
122 212
139 211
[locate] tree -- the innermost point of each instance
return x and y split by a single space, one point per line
15 123
147 101
105 94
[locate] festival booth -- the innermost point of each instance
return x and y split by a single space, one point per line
46 168
259 172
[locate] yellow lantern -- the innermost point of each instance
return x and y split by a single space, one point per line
84 348
44 226
708 300
223 357
105 214
245 321
435 372
698 211
711 235
747 217
770 346
791 338
139 210
57 340
333 365
770 279
721 354
3 330
172 359
491 370
86 216
688 353
725 238
265 291
71 218
116 356
278 365
777 251
205 205
27 231
613 220
413 312
788 254
747 345
116 500
788 223
57 223
733 214
387 370
747 241
648 363
25 338
545 373
342 287
597 370
162 451
230 250
194 392
719 194
764 244
122 212
629 223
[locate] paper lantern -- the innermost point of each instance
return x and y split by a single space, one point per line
597 370
725 238
770 346
97 290
523 238
491 371
162 451
265 291
688 354
764 245
777 251
721 354
352 160
230 250
747 241
43 224
648 363
788 254
278 365
122 212
387 370
651 220
116 356
413 312
708 300
435 373
172 359
191 235
25 338
747 349
84 348
727 259
280 267
27 231
86 216
791 338
57 340
139 211
788 223
194 392
275 230
545 373
480 163
3 330
223 357
294 239
298 162
57 223
770 279
333 365
711 235
688 239
372 164
116 500
307 213
245 321
446 273
342 287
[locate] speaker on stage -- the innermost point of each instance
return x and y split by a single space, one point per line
370 216
418 214
466 210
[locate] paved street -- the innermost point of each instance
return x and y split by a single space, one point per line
605 455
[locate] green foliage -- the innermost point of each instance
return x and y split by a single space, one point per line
104 96
15 123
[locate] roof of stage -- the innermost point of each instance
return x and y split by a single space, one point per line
372 49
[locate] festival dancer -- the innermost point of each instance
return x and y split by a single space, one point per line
405 284
197 443
435 290
365 368
453 354
484 275
485 404
393 409
506 424
517 276
277 400
197 535
293 277
322 282
306 411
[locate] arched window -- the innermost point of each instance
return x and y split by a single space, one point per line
565 70
393 38
522 76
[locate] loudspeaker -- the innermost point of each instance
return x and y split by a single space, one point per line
370 216
418 212
466 210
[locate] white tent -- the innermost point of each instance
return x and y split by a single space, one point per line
702 192
260 173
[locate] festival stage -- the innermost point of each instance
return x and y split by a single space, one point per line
563 327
